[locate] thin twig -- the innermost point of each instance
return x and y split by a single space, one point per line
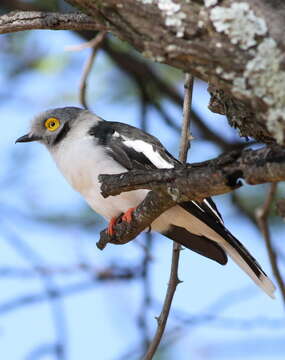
96 43
174 279
82 46
147 296
146 257
185 132
262 215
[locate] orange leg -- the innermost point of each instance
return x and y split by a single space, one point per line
128 215
111 225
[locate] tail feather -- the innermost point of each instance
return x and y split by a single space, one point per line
199 244
205 234
248 264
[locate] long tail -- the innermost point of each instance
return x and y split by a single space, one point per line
211 239
241 256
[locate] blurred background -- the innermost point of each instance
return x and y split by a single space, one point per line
62 298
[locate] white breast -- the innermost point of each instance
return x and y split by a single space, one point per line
80 161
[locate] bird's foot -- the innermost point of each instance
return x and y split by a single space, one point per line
112 223
128 215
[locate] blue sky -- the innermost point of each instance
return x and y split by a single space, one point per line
100 321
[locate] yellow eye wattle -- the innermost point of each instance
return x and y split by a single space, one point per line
52 124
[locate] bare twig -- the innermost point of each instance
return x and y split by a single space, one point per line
146 258
146 301
85 45
174 279
96 43
28 20
262 215
185 132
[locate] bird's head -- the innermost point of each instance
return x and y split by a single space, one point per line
51 126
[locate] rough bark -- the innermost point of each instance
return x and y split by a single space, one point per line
190 182
27 20
237 46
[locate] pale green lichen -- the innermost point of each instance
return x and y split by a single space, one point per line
263 78
228 75
219 70
172 48
209 3
276 124
239 22
267 80
263 73
172 13
225 75
240 87
200 24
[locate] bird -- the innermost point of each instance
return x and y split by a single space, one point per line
83 146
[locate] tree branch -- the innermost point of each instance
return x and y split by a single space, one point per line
262 215
190 182
28 20
207 40
199 180
173 278
97 42
152 206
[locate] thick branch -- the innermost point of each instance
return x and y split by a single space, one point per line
190 182
27 20
200 180
237 46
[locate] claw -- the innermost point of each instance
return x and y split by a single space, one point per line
128 215
111 225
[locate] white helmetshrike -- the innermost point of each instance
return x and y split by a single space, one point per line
84 146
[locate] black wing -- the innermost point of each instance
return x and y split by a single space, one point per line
121 143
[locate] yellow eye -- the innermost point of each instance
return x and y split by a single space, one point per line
52 124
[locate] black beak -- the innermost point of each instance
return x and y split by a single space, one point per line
28 138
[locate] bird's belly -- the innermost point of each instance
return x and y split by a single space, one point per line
113 206
81 169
